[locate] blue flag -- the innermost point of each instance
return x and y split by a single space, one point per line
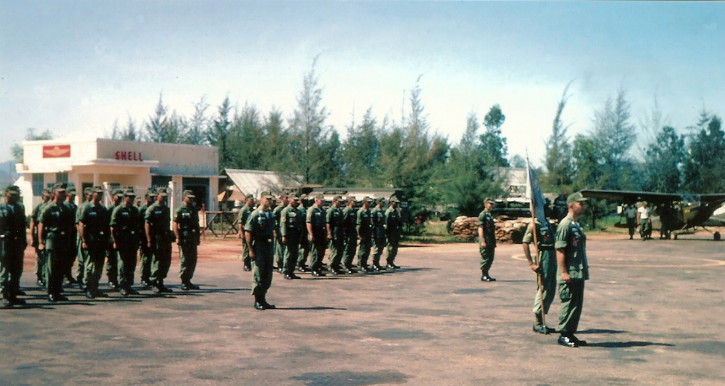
533 193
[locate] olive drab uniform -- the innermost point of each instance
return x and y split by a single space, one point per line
291 223
188 220
350 247
158 218
81 269
305 246
74 236
112 253
57 221
547 266
261 227
12 248
377 216
336 221
242 218
126 228
94 220
364 223
278 246
39 254
485 221
316 217
146 255
393 228
571 240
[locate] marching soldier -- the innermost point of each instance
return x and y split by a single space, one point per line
71 204
125 230
545 267
364 224
242 220
146 254
186 230
304 252
573 270
112 253
335 223
54 232
12 246
259 231
81 270
39 253
291 223
393 228
315 220
159 238
93 230
350 216
279 247
377 216
487 235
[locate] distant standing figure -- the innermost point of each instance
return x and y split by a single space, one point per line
487 235
644 218
631 214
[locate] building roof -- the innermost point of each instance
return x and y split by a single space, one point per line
256 181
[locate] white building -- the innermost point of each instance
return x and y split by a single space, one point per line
113 163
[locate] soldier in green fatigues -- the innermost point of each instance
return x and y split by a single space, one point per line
81 270
186 230
279 247
304 238
259 231
145 251
350 247
377 216
157 227
125 230
242 220
112 253
315 220
545 268
573 270
71 204
39 253
12 246
364 225
487 235
93 231
291 223
335 224
54 231
393 228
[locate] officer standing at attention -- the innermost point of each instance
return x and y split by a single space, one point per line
81 270
279 247
291 223
125 230
242 218
335 223
487 235
315 220
146 254
112 254
186 230
571 258
304 252
70 202
545 267
54 231
39 253
393 228
350 247
377 215
157 227
259 231
93 231
364 224
12 247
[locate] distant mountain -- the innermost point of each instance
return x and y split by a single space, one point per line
7 173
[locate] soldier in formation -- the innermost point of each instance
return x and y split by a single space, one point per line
93 229
145 253
242 218
291 224
186 230
12 247
157 227
259 233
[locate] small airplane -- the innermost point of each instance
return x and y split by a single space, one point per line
687 211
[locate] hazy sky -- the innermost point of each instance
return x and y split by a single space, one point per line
75 67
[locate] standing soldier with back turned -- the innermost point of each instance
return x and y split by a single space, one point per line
393 229
487 235
186 229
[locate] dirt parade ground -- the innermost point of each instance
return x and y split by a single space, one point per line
653 314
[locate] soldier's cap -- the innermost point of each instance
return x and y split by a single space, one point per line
487 200
283 195
150 192
366 199
394 199
88 190
161 192
267 195
303 196
59 187
350 198
189 193
381 200
117 192
12 190
575 197
97 189
337 198
71 190
129 192
320 196
293 197
46 192
248 196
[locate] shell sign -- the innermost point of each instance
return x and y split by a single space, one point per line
56 151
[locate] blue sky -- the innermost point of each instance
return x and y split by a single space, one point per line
75 67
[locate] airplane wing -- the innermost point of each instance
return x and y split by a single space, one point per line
630 196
